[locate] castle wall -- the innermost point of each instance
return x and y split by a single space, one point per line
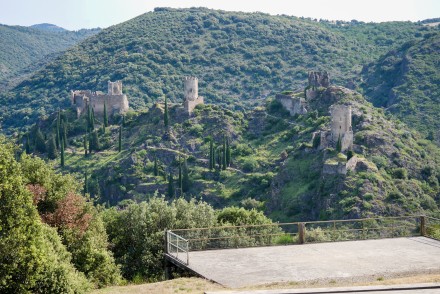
189 105
294 105
114 100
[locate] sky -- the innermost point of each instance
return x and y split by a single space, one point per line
77 14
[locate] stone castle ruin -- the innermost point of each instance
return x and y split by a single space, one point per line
340 129
114 99
295 105
191 94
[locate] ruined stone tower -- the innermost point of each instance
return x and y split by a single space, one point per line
191 94
114 100
115 88
341 125
319 79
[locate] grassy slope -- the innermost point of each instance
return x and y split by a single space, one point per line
239 58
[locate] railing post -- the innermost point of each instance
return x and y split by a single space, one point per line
166 246
422 225
302 233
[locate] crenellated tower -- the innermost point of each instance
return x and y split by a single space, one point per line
191 94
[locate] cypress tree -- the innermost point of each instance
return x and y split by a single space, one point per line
211 154
180 174
339 144
228 153
105 115
155 168
186 183
51 148
62 153
89 117
64 134
27 145
120 139
57 131
85 145
224 154
94 142
219 158
40 145
86 183
92 122
165 114
170 186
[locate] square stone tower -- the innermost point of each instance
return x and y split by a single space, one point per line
115 88
191 94
341 125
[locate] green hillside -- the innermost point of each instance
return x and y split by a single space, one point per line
407 82
25 49
240 59
274 166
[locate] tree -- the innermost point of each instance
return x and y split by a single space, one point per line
120 139
40 145
27 145
51 148
186 183
94 142
155 168
165 114
57 131
64 136
211 154
85 145
170 185
86 184
224 154
32 257
339 144
62 153
180 174
228 153
105 115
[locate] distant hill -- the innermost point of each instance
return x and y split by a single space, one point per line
26 49
240 58
407 82
48 27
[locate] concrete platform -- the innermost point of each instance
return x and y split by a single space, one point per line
353 260
426 288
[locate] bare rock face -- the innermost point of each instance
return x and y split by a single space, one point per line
319 79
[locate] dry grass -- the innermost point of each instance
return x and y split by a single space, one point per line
199 286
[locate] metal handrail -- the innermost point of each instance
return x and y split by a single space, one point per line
177 247
211 236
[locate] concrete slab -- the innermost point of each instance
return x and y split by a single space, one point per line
351 260
424 288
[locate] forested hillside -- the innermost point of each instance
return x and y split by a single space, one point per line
25 49
240 59
407 82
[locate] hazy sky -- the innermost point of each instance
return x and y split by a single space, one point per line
76 14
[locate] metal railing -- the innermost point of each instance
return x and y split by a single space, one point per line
184 240
175 245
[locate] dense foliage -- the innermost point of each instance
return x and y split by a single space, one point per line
407 82
137 230
26 49
238 57
53 240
